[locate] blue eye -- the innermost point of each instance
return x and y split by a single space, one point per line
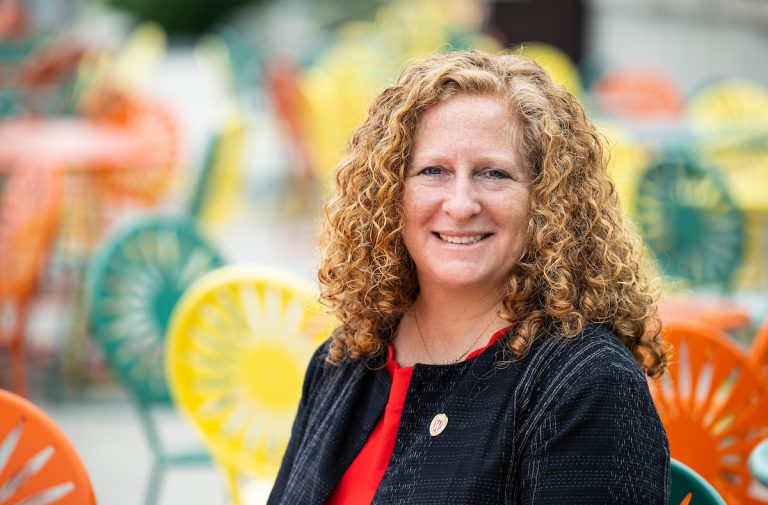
432 171
495 173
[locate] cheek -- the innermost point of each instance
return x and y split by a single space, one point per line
522 219
524 237
417 206
407 209
518 222
409 223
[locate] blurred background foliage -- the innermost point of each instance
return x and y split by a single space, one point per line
181 17
187 18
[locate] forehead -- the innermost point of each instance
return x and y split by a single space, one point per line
482 122
471 109
464 103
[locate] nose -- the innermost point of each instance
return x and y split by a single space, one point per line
462 201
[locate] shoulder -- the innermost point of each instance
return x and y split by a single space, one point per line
318 360
593 364
590 378
586 399
321 374
318 367
596 351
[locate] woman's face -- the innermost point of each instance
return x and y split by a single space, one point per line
466 195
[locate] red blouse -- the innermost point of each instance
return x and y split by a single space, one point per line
360 481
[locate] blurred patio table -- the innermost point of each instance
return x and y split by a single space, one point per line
79 153
72 143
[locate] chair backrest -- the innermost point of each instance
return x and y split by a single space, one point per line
758 353
560 67
30 202
730 120
38 463
729 108
690 488
133 284
238 345
690 221
639 93
626 161
712 403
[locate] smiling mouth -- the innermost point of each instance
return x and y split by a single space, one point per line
464 240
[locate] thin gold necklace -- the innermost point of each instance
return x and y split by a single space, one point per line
460 357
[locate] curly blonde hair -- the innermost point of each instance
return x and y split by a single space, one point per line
582 263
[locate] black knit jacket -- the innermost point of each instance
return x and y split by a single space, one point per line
572 422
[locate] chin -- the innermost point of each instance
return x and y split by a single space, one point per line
466 281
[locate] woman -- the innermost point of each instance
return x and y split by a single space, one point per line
496 324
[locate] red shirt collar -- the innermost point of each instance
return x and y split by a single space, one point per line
392 364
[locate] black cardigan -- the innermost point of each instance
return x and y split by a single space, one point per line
572 422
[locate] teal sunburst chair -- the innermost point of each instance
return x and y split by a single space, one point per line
758 462
690 488
690 221
133 284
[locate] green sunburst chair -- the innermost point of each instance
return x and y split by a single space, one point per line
690 488
690 221
133 284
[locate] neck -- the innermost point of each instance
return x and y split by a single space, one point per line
457 306
442 326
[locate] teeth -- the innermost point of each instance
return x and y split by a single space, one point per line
461 240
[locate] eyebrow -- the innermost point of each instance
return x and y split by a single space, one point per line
505 162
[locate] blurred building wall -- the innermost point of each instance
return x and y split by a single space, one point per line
561 23
691 45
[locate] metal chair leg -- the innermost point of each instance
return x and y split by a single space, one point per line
16 350
234 485
154 484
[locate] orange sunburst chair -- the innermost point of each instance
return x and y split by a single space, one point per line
29 208
758 354
38 463
713 404
639 93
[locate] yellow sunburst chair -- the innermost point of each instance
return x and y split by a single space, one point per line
237 347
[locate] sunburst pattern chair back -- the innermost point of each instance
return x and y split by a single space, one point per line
38 463
134 283
238 344
690 221
712 403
